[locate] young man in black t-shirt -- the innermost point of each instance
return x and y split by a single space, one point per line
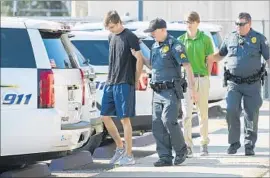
123 79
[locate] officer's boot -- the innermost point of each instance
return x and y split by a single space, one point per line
163 162
180 158
249 150
233 148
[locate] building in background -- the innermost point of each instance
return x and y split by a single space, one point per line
219 12
79 8
35 8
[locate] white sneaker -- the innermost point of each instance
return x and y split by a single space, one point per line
119 152
126 160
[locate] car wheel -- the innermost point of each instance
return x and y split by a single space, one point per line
96 142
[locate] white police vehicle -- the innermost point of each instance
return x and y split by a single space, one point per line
94 47
42 93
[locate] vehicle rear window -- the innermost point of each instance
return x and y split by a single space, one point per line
174 33
148 43
81 60
217 39
58 50
16 49
145 50
96 51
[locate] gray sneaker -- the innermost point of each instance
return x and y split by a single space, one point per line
190 152
127 160
119 152
204 150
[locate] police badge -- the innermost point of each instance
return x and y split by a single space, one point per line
165 49
253 39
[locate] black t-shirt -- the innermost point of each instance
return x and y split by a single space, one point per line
122 64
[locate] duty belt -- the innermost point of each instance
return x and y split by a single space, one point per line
249 80
158 86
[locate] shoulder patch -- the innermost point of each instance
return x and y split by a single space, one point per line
182 56
266 42
178 48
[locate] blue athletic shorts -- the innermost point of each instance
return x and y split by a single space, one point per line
118 100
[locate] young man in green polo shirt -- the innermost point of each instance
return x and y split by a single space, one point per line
198 47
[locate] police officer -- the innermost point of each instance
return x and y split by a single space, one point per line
243 49
167 56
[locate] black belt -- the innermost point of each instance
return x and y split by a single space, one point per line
162 86
198 75
248 80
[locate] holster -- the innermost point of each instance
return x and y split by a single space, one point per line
179 86
184 85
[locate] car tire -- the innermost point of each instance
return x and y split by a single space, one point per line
96 142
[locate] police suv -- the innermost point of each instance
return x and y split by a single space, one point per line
43 93
94 47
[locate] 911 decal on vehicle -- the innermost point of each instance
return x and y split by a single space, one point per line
100 85
11 98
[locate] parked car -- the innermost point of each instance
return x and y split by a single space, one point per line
43 94
94 46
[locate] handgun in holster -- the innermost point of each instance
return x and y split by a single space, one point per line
263 73
154 87
177 88
184 83
226 77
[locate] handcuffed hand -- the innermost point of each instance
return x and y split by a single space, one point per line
194 95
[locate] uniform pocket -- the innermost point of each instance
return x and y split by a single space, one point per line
253 50
165 55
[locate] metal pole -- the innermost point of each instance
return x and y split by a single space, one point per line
265 93
14 8
73 9
140 10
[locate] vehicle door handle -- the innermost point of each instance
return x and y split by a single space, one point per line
72 87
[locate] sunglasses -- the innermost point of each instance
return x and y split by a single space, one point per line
241 24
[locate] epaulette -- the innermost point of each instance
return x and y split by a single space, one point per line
257 33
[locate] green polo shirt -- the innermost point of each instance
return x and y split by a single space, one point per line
197 50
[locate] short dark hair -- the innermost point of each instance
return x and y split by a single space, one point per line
112 17
245 15
193 17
